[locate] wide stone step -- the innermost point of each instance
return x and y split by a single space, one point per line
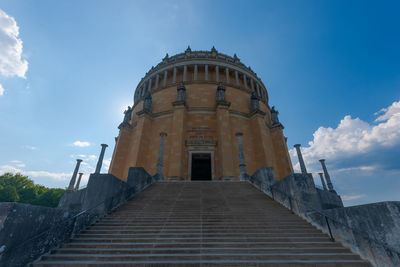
202 256
204 239
194 244
197 250
201 230
217 244
203 235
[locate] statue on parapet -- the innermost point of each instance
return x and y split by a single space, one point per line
274 116
127 118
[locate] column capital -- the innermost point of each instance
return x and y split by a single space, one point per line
322 160
79 160
239 134
297 145
163 134
104 145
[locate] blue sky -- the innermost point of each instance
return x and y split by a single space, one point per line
68 69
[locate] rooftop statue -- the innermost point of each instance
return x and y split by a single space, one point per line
127 118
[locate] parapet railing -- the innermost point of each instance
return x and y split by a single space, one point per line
327 219
74 217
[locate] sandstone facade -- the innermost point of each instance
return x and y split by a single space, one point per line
198 101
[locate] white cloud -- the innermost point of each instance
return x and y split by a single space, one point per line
11 62
81 144
354 137
1 90
30 147
352 197
92 157
18 163
106 164
52 175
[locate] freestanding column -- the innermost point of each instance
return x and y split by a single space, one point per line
242 164
227 75
184 73
100 161
206 71
165 78
73 178
174 76
327 177
245 81
161 154
149 85
237 78
79 181
321 175
252 85
301 161
157 79
195 72
216 73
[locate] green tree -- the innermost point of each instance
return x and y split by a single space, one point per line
19 188
9 194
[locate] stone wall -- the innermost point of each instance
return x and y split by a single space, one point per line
28 231
22 236
296 191
372 230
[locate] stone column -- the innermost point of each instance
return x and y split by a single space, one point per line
327 177
195 72
244 81
227 75
242 163
184 73
321 175
174 76
216 73
149 85
237 78
157 79
252 85
301 161
161 154
79 181
206 71
101 157
165 78
73 178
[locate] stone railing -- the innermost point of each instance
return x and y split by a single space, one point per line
372 230
27 231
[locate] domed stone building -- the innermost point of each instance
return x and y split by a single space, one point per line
201 115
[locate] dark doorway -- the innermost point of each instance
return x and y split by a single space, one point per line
201 167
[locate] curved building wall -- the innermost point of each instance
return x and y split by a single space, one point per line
199 123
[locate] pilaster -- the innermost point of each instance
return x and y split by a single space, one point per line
176 139
283 164
224 146
121 153
263 139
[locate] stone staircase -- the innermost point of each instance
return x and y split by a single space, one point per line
202 224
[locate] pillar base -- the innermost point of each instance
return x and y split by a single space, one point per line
227 178
174 178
